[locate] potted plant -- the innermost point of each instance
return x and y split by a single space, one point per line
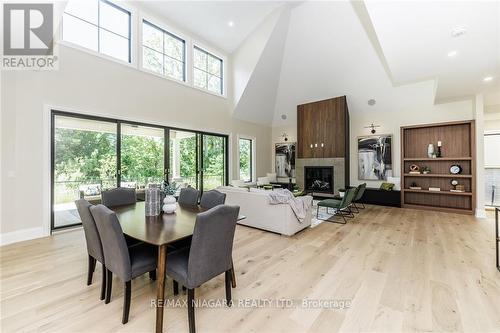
169 203
426 170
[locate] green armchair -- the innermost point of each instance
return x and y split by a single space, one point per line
341 207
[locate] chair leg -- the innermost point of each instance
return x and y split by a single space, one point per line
152 275
91 270
192 328
126 301
355 208
228 287
176 287
233 276
103 284
109 286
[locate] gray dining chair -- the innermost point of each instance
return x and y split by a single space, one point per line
127 263
209 255
188 196
93 240
118 196
212 198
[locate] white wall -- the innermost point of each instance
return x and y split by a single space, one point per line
492 117
93 85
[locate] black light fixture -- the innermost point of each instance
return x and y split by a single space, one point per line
372 128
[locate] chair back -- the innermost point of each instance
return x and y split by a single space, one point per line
189 196
212 198
348 197
118 196
114 245
92 238
212 244
361 190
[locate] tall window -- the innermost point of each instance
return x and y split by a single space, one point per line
98 25
162 52
245 149
207 71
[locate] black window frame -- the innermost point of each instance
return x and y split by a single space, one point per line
251 157
208 54
99 28
184 63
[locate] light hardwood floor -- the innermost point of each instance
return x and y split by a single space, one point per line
401 269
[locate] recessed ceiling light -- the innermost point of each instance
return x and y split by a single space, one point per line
230 23
458 31
452 54
488 79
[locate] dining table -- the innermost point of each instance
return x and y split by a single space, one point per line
159 231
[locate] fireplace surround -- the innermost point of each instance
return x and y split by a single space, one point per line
319 179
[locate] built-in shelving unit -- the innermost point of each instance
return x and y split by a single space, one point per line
457 148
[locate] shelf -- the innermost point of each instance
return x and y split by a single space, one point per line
438 192
437 159
439 209
436 175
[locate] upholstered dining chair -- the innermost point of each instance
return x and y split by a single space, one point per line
209 255
93 240
212 198
188 196
127 263
118 196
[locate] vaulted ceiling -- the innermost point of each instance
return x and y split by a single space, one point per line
288 53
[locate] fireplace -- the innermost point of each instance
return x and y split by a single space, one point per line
318 179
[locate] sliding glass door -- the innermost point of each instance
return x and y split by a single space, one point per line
92 154
183 164
213 168
84 163
142 152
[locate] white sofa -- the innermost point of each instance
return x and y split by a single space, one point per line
254 204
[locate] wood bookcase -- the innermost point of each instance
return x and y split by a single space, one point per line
458 147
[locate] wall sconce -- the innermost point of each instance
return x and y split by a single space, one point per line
372 128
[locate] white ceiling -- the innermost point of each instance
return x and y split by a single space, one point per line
209 19
416 37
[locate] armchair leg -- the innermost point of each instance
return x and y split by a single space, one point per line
109 285
152 275
126 301
103 284
176 287
355 208
192 328
228 287
90 273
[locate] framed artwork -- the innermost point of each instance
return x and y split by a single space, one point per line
284 154
375 157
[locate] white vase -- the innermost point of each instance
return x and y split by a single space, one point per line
169 204
430 150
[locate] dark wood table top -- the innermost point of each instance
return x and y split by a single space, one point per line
158 230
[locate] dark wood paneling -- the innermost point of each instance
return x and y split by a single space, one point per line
322 125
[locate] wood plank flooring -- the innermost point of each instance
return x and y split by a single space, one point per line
397 269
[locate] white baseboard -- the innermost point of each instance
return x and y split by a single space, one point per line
21 235
480 213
